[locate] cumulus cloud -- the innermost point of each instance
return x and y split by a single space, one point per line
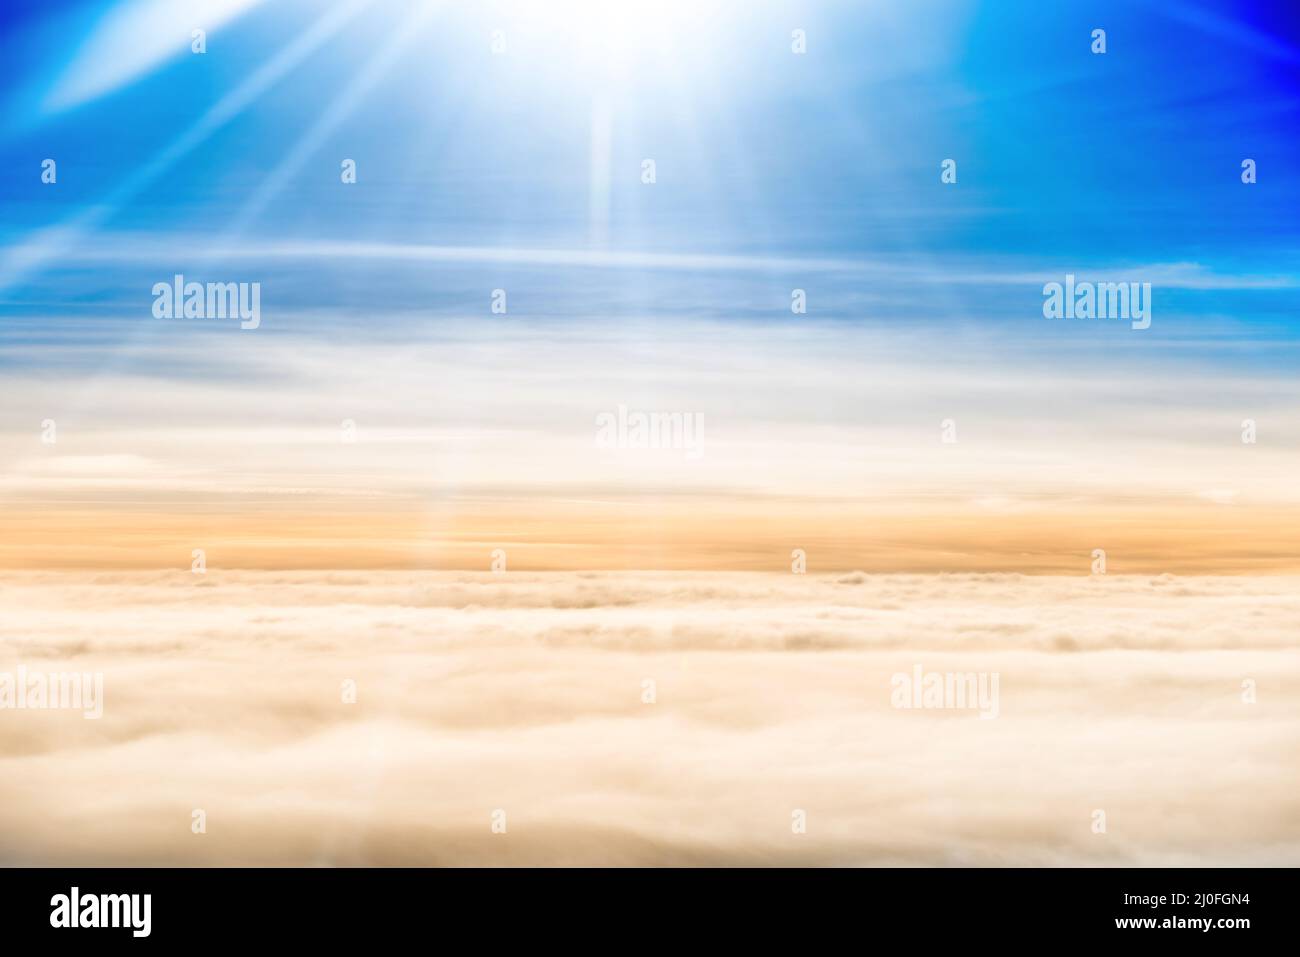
772 693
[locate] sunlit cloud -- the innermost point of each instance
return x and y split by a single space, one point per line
771 692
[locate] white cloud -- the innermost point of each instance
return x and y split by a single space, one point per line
133 39
523 692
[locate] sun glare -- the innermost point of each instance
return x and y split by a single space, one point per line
611 38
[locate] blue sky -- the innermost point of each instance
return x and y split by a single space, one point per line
522 169
1067 161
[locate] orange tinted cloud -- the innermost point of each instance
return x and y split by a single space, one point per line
652 533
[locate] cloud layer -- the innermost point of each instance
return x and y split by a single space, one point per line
525 693
287 451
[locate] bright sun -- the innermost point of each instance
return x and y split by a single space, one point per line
611 37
